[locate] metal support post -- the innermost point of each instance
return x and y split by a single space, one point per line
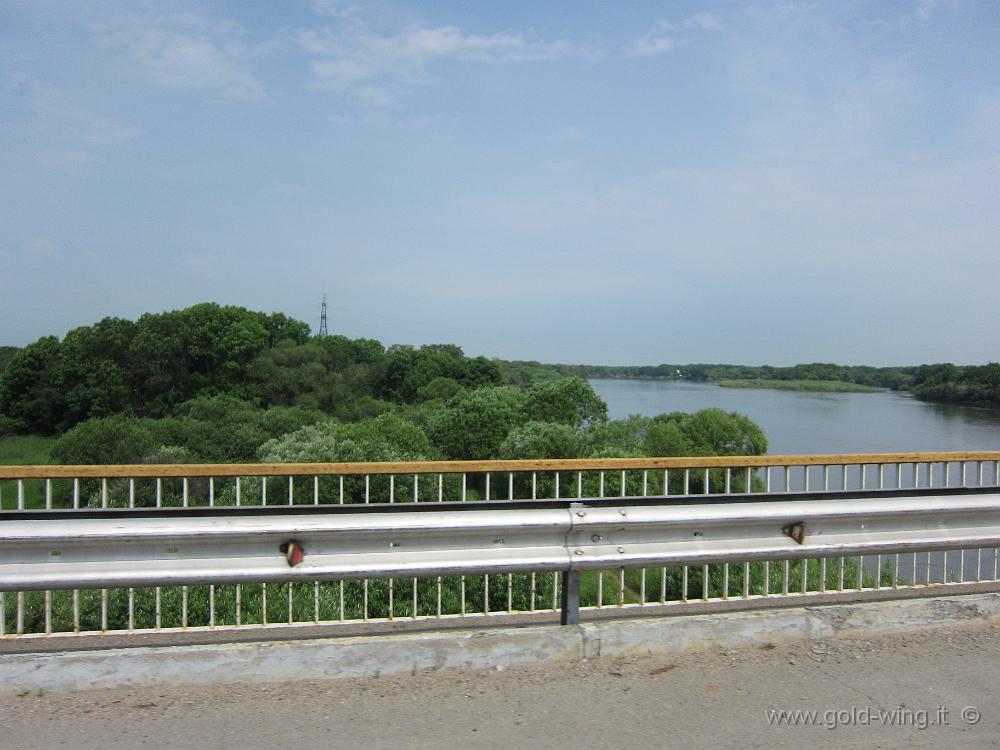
569 613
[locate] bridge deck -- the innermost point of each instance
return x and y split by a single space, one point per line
694 700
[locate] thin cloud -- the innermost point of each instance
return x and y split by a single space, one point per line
665 36
372 66
187 52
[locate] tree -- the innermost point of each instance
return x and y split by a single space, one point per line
282 328
619 437
541 440
30 395
709 432
569 401
92 368
475 423
6 352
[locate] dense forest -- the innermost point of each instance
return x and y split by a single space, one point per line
214 383
973 385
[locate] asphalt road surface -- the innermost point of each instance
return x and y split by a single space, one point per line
929 689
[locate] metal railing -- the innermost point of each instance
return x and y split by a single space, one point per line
787 574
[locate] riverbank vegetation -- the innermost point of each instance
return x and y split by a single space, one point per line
819 386
225 384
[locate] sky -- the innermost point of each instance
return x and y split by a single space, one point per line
605 183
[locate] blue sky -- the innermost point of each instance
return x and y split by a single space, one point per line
621 183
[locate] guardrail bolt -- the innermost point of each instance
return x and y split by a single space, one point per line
595 538
621 549
580 513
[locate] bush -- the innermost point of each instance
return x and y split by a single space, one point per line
541 440
107 440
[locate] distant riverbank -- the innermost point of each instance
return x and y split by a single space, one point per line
819 386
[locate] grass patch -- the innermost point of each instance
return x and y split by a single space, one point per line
21 450
819 386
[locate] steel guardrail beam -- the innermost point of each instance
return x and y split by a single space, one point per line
120 551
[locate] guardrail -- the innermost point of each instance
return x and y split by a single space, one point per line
98 505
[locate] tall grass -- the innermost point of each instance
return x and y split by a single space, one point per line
21 450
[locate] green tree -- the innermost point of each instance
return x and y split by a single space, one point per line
93 370
541 440
31 396
6 352
569 401
282 328
475 423
714 432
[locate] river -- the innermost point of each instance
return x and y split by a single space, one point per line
801 422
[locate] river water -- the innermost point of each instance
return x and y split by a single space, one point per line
800 422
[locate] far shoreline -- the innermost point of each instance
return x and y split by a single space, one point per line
801 386
813 386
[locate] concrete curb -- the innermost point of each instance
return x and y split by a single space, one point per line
372 656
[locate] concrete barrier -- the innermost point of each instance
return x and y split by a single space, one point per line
403 653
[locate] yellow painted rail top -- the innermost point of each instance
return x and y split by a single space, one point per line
475 467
